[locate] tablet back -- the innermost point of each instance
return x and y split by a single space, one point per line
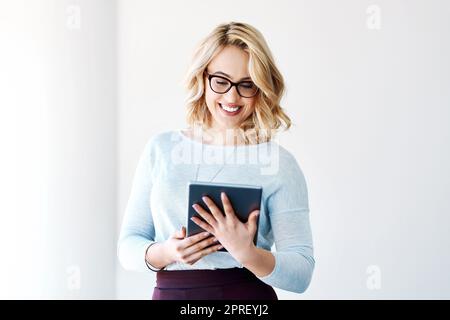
244 199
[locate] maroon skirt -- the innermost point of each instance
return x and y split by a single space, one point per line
219 284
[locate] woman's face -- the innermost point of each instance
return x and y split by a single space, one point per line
230 63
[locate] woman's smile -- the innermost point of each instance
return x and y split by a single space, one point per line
230 109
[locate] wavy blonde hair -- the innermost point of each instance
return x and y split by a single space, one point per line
268 114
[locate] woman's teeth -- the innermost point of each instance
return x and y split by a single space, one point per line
229 109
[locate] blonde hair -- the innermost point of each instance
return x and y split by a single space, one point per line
268 114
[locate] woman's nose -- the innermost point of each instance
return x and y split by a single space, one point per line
232 95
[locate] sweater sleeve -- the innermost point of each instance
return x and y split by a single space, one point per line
289 217
137 230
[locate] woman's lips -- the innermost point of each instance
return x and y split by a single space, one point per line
230 106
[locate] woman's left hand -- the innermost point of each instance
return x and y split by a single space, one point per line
233 235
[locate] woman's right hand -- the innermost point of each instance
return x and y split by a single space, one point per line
191 249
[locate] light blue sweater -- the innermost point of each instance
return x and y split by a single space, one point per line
157 205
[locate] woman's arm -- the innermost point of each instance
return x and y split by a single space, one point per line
137 231
291 266
259 261
137 249
294 261
288 209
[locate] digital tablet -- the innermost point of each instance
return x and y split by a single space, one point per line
244 200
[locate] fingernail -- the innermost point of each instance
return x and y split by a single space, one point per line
204 199
220 247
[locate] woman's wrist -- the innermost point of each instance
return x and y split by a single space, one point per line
245 255
259 261
156 255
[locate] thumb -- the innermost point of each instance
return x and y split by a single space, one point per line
252 222
179 234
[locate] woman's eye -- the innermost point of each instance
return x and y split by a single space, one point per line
222 83
247 85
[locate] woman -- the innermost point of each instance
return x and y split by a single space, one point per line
233 109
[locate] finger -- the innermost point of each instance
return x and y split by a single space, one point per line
252 223
205 215
200 245
203 225
200 254
215 211
189 241
228 208
179 234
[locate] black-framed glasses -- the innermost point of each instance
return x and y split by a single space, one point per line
221 85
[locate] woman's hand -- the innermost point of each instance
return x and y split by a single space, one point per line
236 236
191 249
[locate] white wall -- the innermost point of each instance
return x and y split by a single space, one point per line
58 134
371 107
